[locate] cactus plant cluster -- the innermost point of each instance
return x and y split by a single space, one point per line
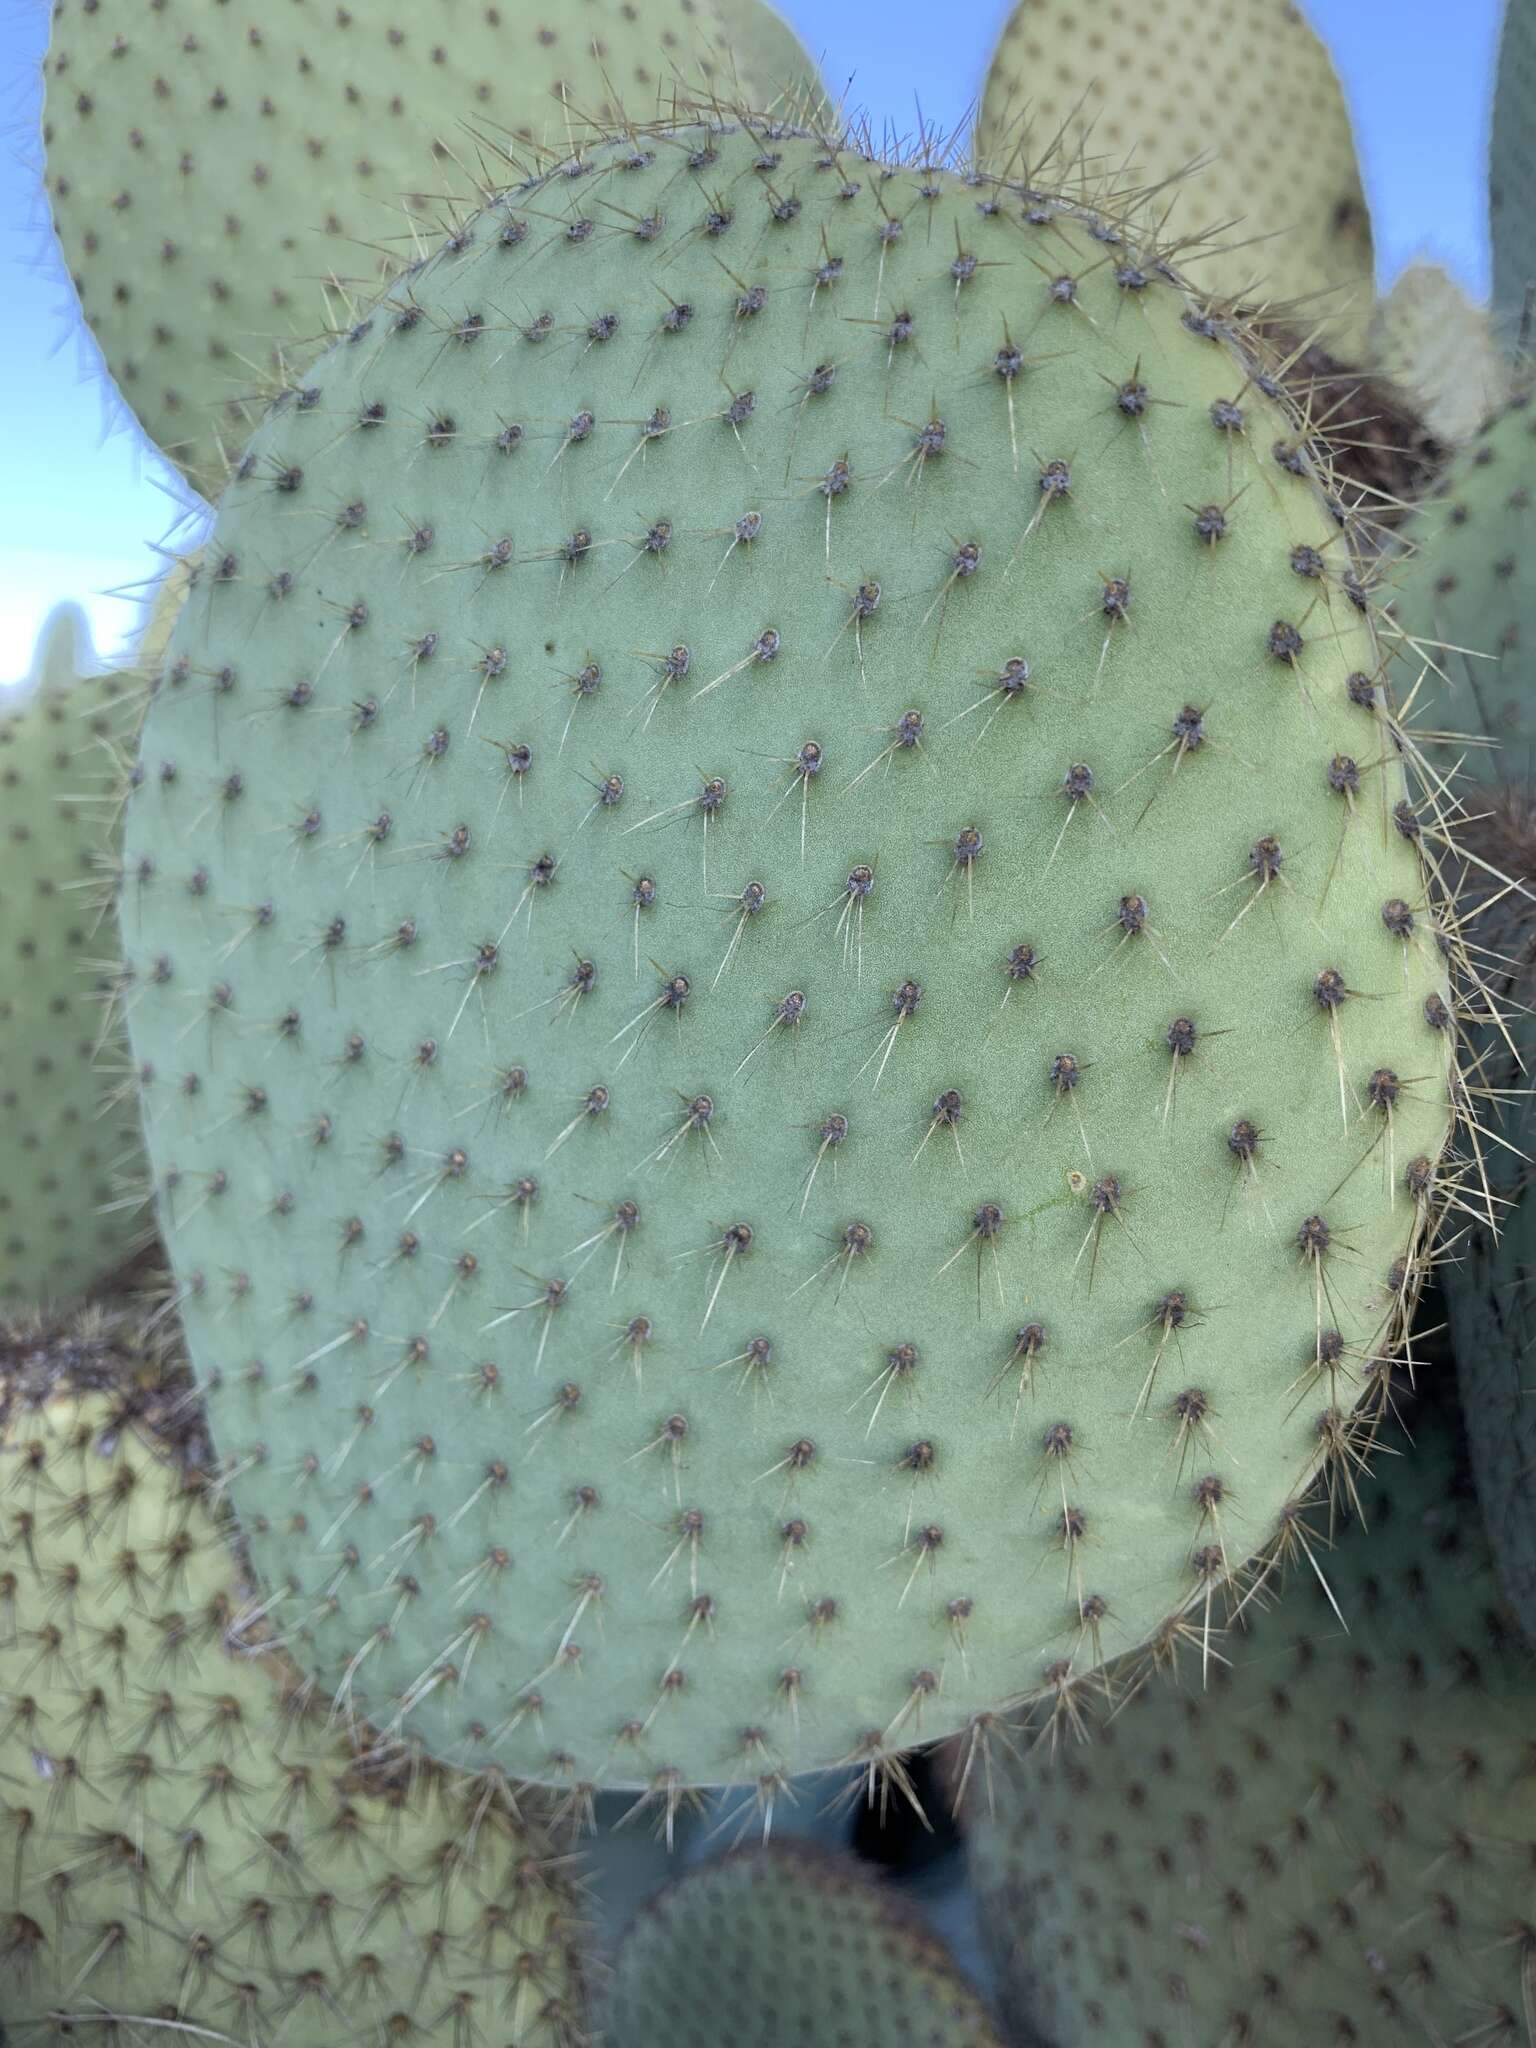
750 1028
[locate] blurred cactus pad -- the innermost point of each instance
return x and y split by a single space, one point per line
1512 173
787 1944
799 1036
1230 115
1327 1837
221 176
72 1172
1468 605
190 1849
1431 340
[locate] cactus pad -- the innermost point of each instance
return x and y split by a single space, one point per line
1469 600
216 172
1332 1841
1512 171
186 1847
1251 98
1427 335
69 1142
774 1945
798 1034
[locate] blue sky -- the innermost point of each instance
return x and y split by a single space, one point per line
86 501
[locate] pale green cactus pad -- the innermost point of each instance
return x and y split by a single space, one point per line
1331 1839
799 1038
1429 337
189 1850
161 611
1469 606
70 1156
221 176
1512 172
776 1945
1246 91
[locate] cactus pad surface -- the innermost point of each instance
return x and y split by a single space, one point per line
1246 92
1332 1840
1468 604
774 1945
798 1031
188 1845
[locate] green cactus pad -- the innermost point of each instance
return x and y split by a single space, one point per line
775 1945
69 1144
188 1849
1427 336
1469 603
220 175
1332 1841
800 1088
1251 98
1512 170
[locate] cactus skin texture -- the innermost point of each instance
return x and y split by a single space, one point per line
1427 336
214 170
186 1842
69 1142
1469 600
787 1944
1332 1841
1512 171
1251 97
721 1242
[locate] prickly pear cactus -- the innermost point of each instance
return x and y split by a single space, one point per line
798 1040
1469 607
771 1945
219 175
70 1154
1331 1840
187 1845
1277 195
1427 335
1512 171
